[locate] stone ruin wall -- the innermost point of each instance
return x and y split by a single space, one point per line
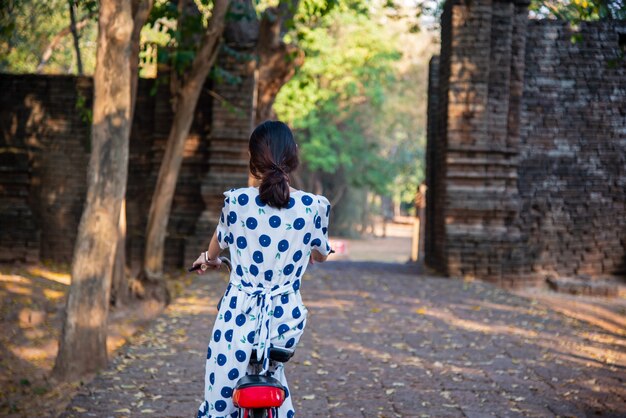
526 146
44 151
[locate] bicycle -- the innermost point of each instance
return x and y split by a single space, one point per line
256 395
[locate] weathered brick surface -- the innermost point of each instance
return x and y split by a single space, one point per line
383 341
44 144
233 116
526 159
44 150
573 142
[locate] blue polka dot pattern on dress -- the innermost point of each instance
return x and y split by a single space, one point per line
298 224
226 392
220 406
283 245
240 355
265 241
275 221
251 223
288 269
254 270
269 249
259 202
283 328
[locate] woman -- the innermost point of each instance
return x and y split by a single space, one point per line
272 233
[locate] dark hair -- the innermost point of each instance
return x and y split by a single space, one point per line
273 155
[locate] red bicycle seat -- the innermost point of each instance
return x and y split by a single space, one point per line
258 392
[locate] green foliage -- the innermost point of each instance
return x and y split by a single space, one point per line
28 26
576 11
348 66
358 103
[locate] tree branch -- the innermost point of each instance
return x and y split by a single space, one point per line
47 53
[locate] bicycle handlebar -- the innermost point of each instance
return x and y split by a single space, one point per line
203 266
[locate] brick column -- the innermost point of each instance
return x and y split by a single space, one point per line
476 201
233 110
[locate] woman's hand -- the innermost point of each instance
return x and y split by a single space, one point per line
317 257
206 264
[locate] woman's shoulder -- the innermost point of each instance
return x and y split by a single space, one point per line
241 191
311 199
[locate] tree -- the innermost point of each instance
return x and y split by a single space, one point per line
151 283
278 59
73 7
120 289
576 11
82 346
333 96
358 107
32 30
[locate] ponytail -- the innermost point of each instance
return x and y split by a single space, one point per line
273 155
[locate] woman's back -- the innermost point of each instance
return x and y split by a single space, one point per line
270 246
272 232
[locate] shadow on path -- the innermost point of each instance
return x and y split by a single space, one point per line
382 341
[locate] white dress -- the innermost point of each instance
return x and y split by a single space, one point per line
262 306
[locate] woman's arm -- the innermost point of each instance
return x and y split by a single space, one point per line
210 258
317 257
214 247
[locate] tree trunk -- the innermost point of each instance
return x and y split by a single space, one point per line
79 62
151 283
82 345
277 61
120 289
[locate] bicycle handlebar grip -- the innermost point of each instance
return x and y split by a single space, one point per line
202 267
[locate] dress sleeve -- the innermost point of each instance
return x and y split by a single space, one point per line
224 234
320 235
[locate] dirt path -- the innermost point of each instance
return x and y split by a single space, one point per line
383 341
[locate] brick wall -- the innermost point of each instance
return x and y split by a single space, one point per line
524 119
44 147
44 150
573 162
